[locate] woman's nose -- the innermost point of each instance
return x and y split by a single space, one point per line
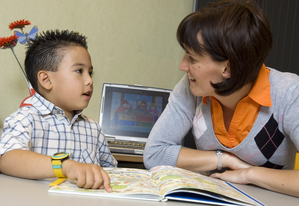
184 63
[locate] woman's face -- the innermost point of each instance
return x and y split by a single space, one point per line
202 70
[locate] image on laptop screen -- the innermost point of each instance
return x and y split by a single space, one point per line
129 112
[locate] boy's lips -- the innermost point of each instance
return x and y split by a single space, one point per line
88 94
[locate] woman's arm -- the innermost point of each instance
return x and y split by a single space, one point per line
197 160
164 142
283 181
200 161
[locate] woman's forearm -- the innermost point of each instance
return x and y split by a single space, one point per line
283 181
197 160
200 161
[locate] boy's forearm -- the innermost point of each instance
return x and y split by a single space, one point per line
26 164
31 165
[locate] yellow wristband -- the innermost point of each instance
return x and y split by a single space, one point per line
57 168
57 160
58 181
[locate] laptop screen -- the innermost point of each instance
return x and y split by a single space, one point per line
129 112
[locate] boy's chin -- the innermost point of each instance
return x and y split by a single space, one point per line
81 107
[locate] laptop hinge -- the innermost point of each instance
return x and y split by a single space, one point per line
110 138
137 151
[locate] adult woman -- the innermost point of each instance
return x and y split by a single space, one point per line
235 105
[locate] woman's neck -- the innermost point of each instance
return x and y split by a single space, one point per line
229 103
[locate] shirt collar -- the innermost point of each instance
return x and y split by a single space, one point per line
45 107
260 91
41 104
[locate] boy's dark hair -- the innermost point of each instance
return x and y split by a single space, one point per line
237 31
47 50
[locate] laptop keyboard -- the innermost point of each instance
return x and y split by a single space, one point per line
137 145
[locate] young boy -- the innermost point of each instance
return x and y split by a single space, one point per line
52 137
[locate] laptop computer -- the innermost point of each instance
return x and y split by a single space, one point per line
128 113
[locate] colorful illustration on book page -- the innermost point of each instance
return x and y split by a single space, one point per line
131 181
123 181
169 178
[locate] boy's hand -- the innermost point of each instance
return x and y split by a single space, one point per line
87 175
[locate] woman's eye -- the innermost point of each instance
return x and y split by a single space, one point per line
191 59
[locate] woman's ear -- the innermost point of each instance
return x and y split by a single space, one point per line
226 71
44 80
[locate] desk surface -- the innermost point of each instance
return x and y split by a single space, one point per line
17 191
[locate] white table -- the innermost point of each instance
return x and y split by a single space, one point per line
18 191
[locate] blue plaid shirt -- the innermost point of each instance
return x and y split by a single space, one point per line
43 128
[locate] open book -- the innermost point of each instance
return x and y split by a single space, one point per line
164 183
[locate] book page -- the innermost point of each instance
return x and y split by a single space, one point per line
169 178
133 183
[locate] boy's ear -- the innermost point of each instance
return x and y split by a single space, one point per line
226 71
44 79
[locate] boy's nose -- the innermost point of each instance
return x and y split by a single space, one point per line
89 81
184 63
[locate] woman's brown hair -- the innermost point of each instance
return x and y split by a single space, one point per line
237 31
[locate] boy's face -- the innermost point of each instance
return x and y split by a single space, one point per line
72 84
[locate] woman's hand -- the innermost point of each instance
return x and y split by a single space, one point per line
237 170
238 176
232 162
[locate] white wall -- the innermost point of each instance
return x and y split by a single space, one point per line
130 41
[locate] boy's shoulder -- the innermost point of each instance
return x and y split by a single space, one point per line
25 116
35 105
31 110
28 112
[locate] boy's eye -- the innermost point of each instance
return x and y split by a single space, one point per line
91 74
79 71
